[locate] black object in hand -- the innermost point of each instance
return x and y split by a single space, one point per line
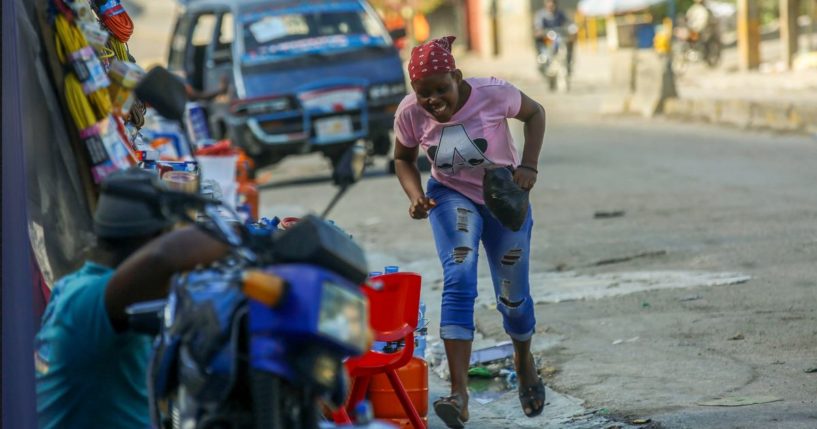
504 198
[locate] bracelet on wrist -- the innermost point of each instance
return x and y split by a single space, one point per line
527 167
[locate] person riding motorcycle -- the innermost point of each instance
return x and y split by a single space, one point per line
700 24
552 18
699 18
91 368
699 34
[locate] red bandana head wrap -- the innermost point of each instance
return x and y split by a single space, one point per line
431 58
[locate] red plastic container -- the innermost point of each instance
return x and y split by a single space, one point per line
414 376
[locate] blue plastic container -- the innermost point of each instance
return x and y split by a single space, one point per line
644 36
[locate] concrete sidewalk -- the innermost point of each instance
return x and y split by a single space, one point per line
775 100
767 99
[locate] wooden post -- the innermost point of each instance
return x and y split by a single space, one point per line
812 42
474 15
748 35
789 31
495 27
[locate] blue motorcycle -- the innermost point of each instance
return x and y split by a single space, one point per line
257 340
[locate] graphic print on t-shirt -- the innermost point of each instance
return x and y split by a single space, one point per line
457 151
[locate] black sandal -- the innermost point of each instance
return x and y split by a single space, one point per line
528 396
449 410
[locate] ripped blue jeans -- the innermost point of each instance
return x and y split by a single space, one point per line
459 225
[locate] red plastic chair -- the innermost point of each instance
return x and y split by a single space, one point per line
394 302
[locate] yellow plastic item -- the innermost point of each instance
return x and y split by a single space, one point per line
661 43
662 39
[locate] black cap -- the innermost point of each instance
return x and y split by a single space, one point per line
125 217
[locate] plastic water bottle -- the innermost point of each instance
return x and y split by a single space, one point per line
375 274
244 212
391 269
420 334
364 413
196 123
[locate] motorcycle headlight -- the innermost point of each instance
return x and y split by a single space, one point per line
343 316
386 90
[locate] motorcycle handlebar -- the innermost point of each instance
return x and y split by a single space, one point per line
159 195
128 191
178 203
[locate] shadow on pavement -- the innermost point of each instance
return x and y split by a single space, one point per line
313 180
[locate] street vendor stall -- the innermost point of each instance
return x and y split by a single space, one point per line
80 74
87 123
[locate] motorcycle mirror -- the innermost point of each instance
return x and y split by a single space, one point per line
164 91
349 168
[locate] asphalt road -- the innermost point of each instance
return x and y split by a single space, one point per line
698 201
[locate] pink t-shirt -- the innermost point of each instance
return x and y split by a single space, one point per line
475 137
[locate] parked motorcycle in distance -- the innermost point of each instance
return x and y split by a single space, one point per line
691 47
552 57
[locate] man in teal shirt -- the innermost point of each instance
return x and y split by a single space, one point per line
91 372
